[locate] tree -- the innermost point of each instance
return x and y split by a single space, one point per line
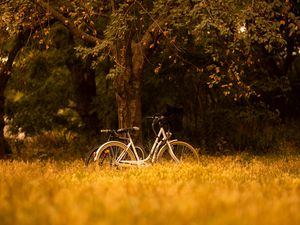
246 39
8 56
130 37
230 53
15 31
26 15
252 45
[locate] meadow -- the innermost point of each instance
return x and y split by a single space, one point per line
239 189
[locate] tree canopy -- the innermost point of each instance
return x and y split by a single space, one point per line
84 65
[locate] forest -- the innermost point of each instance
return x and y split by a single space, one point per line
227 72
71 68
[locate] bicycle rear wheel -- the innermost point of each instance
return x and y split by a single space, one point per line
183 152
90 158
140 151
111 151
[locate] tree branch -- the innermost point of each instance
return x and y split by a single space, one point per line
7 67
68 23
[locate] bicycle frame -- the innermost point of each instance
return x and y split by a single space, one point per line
161 140
115 136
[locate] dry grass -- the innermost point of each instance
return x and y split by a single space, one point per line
220 190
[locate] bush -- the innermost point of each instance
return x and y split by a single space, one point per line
255 129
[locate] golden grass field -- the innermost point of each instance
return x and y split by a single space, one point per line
220 190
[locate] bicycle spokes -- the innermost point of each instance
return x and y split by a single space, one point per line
184 153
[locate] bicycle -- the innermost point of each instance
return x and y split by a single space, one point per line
113 135
163 148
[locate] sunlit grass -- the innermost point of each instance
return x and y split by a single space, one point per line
220 190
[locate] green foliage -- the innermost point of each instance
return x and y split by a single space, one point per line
252 128
104 102
37 98
222 51
231 34
17 14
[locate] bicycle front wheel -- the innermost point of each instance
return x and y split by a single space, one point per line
111 152
180 152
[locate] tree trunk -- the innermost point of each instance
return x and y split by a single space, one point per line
84 91
4 146
128 98
5 71
127 86
130 60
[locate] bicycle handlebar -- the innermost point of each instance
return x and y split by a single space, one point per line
159 119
